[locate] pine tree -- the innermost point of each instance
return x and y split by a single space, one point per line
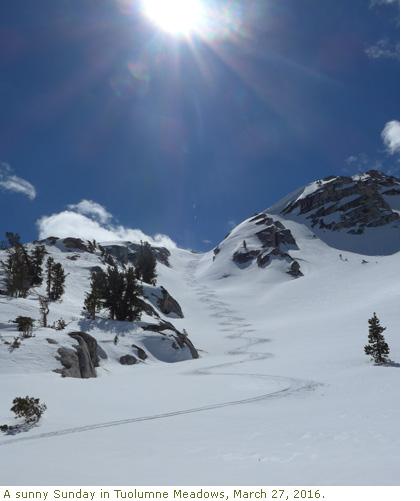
55 279
145 266
93 300
113 295
117 291
48 271
44 309
58 280
35 264
16 266
377 348
131 303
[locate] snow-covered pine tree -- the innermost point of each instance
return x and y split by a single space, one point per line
377 348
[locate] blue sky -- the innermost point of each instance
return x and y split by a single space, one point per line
114 127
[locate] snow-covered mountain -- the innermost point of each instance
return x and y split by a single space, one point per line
247 367
358 214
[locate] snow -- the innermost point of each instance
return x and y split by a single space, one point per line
282 393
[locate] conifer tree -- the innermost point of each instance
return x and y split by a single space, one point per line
117 291
44 309
48 272
377 348
16 266
58 280
131 303
35 264
145 266
55 279
93 300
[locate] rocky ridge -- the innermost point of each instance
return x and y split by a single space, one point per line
349 206
260 240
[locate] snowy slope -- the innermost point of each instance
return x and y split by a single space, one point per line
282 393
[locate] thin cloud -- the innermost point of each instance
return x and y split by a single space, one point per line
382 2
71 223
15 184
383 49
391 136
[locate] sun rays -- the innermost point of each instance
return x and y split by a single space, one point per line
178 18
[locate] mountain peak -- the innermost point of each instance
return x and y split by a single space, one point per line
357 214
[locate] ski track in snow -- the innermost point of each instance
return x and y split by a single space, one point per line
238 329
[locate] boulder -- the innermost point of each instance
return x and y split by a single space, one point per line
91 343
82 363
70 362
140 352
167 304
180 337
128 360
295 269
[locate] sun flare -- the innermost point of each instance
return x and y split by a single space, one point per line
180 17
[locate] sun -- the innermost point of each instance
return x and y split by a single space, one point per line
178 17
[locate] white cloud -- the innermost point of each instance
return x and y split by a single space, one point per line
383 48
71 223
15 184
93 209
391 136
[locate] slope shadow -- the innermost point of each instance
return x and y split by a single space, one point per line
390 363
107 325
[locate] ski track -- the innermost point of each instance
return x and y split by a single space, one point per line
238 329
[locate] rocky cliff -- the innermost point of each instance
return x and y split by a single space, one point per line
359 213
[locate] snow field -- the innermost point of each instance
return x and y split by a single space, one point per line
314 411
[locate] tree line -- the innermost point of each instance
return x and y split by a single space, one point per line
118 290
23 269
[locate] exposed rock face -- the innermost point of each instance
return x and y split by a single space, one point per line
167 304
275 240
128 252
358 214
162 254
244 256
70 362
120 252
91 344
76 243
82 363
182 339
359 202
